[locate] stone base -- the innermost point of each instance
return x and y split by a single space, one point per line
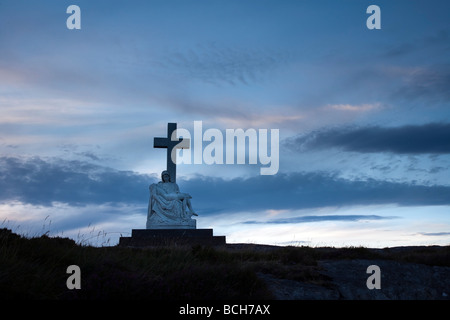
189 224
170 237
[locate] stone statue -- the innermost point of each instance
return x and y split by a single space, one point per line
168 208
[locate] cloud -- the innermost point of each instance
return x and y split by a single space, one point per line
434 233
44 182
224 65
305 219
305 190
354 108
430 84
432 138
435 41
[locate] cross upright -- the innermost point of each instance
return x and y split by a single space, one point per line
171 143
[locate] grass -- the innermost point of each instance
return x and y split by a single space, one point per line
35 268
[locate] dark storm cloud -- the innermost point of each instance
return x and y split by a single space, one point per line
42 182
306 190
432 138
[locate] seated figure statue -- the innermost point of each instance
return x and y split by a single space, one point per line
168 208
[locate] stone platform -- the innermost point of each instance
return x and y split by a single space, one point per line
162 237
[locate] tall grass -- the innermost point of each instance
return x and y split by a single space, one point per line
36 268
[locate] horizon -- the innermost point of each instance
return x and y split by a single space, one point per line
362 114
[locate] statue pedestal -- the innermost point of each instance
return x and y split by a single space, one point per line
154 223
170 237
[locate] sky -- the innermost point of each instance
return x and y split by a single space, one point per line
363 117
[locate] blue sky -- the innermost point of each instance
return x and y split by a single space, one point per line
364 117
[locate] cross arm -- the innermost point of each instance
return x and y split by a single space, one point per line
160 143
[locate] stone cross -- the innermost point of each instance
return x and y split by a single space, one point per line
171 143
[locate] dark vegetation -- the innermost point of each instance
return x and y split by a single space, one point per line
35 268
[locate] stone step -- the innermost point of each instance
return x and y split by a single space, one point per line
169 237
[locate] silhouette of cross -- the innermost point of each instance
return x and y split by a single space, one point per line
171 143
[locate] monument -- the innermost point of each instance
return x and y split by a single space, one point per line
167 207
169 214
